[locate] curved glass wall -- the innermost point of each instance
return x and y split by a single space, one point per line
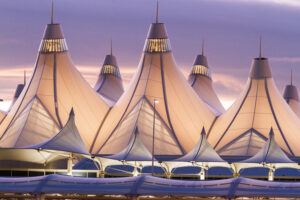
200 70
53 45
110 70
157 45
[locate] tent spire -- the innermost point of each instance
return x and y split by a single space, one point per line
202 47
52 8
24 77
203 131
157 11
291 76
111 48
260 47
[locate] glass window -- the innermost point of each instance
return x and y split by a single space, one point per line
157 45
53 45
110 70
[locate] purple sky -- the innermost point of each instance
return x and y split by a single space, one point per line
231 29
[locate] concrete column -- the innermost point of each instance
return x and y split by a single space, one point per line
70 165
202 174
271 175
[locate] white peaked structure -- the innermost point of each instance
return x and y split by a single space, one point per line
270 156
180 113
243 129
200 80
291 96
66 144
109 84
135 154
53 89
202 155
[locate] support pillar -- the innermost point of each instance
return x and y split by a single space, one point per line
202 174
236 174
41 196
70 165
271 175
169 175
102 173
135 171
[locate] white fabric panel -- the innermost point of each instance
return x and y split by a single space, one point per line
140 119
179 107
2 115
55 77
68 139
135 151
111 87
256 112
32 126
204 88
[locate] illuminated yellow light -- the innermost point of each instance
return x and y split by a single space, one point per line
157 45
200 70
110 70
53 45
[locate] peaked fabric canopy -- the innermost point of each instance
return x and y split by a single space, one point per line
109 83
270 155
202 155
135 151
61 146
180 113
200 80
18 92
68 139
44 104
243 129
2 115
291 96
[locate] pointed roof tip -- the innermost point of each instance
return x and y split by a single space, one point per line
202 52
271 134
203 131
111 47
52 8
156 12
291 77
260 47
24 77
72 114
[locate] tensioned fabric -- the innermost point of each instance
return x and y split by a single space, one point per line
2 115
243 129
54 88
109 83
202 155
290 94
201 82
61 146
147 185
271 155
180 113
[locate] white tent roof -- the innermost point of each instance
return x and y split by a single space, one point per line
2 115
54 88
180 113
202 152
243 129
109 83
270 153
135 151
200 80
68 139
291 96
62 145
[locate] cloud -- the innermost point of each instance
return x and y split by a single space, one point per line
279 2
286 59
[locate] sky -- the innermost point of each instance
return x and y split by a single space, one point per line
230 28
